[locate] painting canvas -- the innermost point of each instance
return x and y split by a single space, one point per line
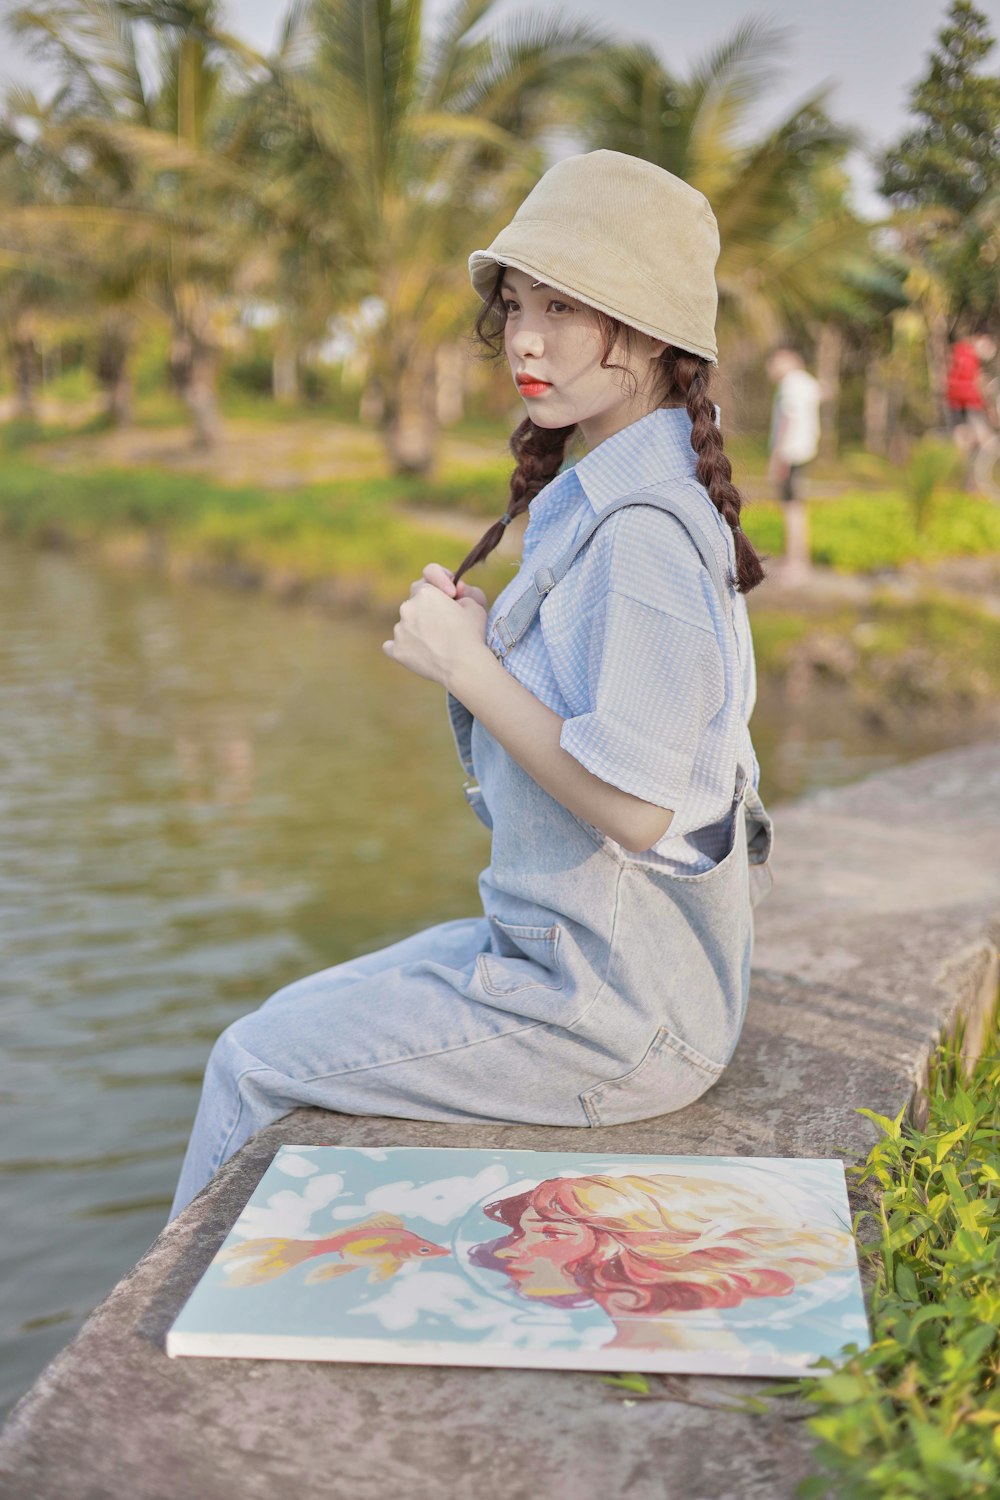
558 1260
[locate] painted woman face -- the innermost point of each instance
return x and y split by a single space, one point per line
537 1258
554 345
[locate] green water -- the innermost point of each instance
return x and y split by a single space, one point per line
204 796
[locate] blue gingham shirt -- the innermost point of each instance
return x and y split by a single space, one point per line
632 647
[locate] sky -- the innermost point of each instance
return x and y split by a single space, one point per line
870 51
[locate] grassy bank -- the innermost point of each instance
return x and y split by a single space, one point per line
896 656
352 537
856 532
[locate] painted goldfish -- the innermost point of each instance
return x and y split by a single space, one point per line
380 1245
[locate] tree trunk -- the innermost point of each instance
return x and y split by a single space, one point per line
119 400
829 356
371 408
194 370
285 384
202 399
876 409
450 367
27 362
409 422
937 364
112 370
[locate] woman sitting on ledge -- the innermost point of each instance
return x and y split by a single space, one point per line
601 704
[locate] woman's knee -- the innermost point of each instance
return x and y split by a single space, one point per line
233 1051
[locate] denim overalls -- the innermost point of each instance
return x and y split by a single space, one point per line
596 988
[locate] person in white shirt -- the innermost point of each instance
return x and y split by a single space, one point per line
794 442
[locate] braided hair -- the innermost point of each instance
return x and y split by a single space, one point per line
539 451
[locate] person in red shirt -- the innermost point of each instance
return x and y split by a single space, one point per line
967 413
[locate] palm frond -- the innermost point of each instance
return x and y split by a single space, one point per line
447 50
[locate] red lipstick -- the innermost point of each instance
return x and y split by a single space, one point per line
528 385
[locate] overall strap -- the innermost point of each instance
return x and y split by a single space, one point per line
510 627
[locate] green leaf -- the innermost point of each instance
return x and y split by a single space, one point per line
944 1143
892 1128
636 1383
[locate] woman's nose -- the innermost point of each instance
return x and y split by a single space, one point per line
526 341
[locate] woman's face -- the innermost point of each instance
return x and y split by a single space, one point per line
556 340
537 1259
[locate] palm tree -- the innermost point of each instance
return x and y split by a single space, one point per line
135 174
33 300
362 157
783 242
399 152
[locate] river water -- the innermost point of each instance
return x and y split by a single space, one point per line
206 795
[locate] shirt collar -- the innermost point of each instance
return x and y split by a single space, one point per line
654 447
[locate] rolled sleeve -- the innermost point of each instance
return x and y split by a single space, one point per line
656 682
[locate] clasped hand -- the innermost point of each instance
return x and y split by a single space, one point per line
440 627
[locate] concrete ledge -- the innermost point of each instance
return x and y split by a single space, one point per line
882 929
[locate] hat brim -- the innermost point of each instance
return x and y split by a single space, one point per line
482 273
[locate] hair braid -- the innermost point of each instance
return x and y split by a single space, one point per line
538 452
691 376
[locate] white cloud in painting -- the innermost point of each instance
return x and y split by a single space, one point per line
439 1202
294 1165
374 1153
288 1214
445 1295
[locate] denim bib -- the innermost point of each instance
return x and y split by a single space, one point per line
658 962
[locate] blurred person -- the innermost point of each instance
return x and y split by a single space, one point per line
968 411
793 443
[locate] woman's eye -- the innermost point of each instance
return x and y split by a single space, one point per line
510 306
561 304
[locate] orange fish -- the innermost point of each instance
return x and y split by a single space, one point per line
380 1244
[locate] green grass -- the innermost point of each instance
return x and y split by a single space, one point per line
917 1415
350 531
864 532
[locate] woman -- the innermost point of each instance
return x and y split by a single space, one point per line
602 703
647 1249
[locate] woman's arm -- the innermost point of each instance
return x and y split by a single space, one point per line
529 732
442 638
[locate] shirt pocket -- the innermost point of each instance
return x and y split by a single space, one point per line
671 1075
528 959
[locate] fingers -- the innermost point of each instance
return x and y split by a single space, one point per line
439 576
469 590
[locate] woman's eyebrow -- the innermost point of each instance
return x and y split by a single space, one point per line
505 286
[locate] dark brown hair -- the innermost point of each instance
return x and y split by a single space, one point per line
539 451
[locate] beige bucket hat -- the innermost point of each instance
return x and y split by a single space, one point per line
624 236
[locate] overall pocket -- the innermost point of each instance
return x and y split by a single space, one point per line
671 1074
528 959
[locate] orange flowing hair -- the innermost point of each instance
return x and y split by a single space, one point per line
669 1243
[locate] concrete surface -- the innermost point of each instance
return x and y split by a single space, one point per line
883 926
